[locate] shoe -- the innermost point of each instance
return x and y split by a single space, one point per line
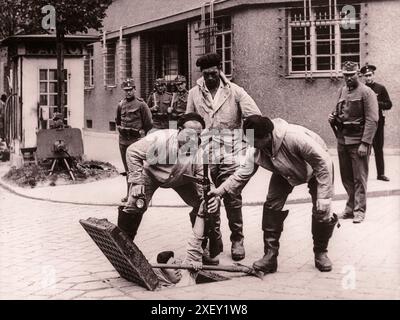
207 260
345 215
322 232
383 178
237 250
358 218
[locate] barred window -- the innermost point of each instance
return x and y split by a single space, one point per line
89 68
215 35
223 37
322 37
110 64
125 59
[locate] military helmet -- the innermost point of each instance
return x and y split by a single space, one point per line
160 81
128 84
180 78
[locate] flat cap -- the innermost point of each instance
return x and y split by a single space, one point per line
208 60
350 67
160 81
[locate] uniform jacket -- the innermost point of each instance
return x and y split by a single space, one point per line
163 102
157 156
132 116
180 102
297 155
382 95
357 115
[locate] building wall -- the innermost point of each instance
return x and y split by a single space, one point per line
30 94
257 68
384 44
132 12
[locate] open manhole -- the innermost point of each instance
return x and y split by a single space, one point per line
127 258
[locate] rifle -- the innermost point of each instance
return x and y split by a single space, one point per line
237 267
210 219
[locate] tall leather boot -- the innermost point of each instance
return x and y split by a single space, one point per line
322 232
129 222
235 220
272 225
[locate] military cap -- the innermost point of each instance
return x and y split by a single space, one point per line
160 81
349 67
57 116
208 60
368 68
180 78
128 84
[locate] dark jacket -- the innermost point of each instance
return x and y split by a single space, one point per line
384 101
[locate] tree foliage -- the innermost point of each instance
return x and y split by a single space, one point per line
72 16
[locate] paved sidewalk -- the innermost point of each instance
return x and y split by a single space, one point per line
46 254
108 192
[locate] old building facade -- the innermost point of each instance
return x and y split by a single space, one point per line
286 54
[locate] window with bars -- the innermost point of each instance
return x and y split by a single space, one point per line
217 36
89 68
223 39
125 58
322 37
170 61
110 65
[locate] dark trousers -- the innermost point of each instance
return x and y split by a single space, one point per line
233 204
279 189
354 174
378 147
122 148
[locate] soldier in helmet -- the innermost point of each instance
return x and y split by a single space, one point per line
179 98
159 101
133 121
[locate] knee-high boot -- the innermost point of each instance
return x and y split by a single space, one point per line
322 232
272 225
129 221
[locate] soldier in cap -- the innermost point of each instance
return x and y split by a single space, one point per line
384 103
355 119
179 98
159 101
223 105
133 121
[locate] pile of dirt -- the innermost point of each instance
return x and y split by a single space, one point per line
37 175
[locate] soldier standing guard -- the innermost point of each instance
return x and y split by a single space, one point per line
355 119
133 121
384 104
159 101
179 98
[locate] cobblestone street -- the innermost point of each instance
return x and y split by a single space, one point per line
46 254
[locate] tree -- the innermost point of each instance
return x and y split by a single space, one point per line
71 16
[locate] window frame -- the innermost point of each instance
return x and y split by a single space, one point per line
89 67
312 24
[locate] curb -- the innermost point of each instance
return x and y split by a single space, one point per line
371 194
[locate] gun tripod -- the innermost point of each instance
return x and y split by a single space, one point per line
66 164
